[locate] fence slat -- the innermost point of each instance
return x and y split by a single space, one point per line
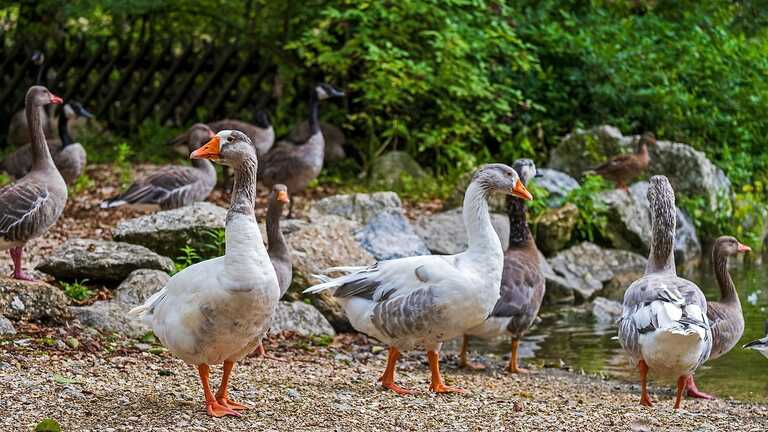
144 81
198 97
81 77
169 110
126 75
166 81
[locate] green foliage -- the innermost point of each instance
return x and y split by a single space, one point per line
593 213
77 290
4 179
83 183
123 164
48 425
215 247
188 257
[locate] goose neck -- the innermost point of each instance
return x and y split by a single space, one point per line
41 155
728 292
244 190
314 102
481 235
275 238
66 138
519 233
662 257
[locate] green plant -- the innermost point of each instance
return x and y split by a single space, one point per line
216 245
83 183
77 290
123 164
189 256
593 213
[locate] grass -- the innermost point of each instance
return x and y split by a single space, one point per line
77 290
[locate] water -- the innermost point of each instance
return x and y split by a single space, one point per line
572 335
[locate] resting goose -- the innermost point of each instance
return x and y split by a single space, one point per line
296 166
33 203
522 282
422 301
69 157
623 168
760 345
725 316
173 186
217 311
664 326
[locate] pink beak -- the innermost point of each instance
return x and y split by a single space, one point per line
744 248
56 100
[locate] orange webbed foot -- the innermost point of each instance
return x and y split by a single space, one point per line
442 388
231 404
517 370
471 365
646 401
397 389
216 409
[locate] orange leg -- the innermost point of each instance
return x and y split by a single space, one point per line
388 379
463 362
221 394
644 398
214 408
681 381
437 384
693 391
262 352
513 366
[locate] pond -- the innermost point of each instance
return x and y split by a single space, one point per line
571 335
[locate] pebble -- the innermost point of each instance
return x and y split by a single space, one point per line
293 394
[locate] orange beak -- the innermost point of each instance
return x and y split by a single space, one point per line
209 150
56 100
282 196
744 248
521 192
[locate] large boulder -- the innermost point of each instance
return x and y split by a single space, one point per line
101 260
32 301
300 318
554 227
109 317
586 268
166 232
360 207
328 241
391 169
139 286
6 327
629 224
557 184
389 235
557 288
444 233
606 311
582 150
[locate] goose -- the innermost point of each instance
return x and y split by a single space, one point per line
217 311
760 345
725 316
18 128
422 301
296 166
173 186
623 168
69 157
522 282
32 204
664 326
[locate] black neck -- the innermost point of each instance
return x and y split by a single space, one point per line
66 139
314 123
275 240
519 233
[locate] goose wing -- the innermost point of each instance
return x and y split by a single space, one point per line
173 183
727 328
522 289
22 209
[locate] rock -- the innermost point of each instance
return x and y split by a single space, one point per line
327 242
583 150
109 317
32 301
629 224
553 228
334 139
139 286
606 311
496 202
300 318
557 289
389 235
360 208
392 169
6 326
101 260
166 232
557 183
444 233
586 267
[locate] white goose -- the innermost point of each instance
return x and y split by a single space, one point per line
664 325
217 311
422 301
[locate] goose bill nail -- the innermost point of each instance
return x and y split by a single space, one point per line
744 248
521 192
208 151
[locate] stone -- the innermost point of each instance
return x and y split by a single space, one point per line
606 311
586 268
583 150
300 318
557 290
360 207
327 242
629 224
389 235
166 232
554 227
139 286
557 183
101 260
109 317
32 301
334 139
6 327
393 169
445 234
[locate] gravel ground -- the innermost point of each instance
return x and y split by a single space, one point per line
108 384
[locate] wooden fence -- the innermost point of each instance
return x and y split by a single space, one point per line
124 82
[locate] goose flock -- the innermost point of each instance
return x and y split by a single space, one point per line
218 311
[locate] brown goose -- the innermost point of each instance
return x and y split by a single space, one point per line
296 166
261 133
522 282
33 203
173 186
725 316
623 168
69 157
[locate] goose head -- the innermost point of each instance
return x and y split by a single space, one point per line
199 134
41 96
646 139
730 246
37 58
262 120
526 169
279 194
501 178
327 91
77 110
228 147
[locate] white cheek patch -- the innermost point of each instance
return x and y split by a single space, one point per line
321 94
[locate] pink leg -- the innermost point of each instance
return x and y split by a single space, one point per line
18 273
693 391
